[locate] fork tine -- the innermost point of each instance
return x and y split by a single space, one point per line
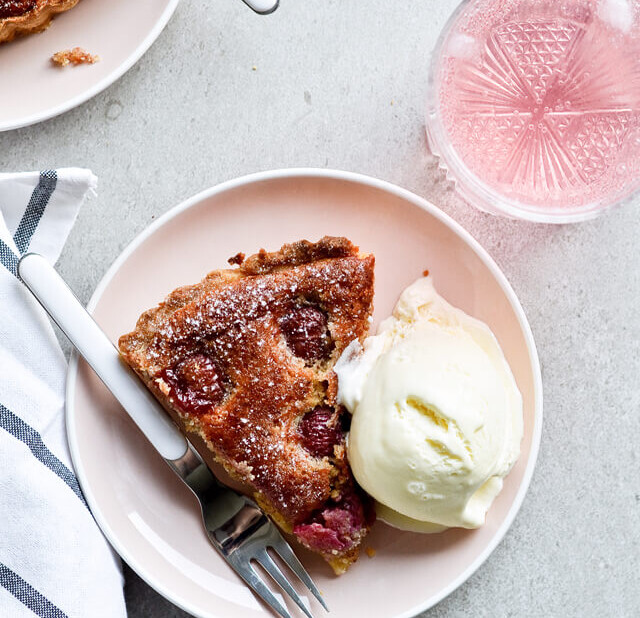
267 563
247 572
286 553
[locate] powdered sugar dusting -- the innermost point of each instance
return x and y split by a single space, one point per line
235 324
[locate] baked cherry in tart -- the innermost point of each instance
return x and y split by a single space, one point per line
14 8
244 361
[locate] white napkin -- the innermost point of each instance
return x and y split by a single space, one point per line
54 561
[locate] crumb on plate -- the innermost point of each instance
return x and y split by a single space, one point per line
370 552
237 259
74 56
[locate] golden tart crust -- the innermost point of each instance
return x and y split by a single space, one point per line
244 362
37 16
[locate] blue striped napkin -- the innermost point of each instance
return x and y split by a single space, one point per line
54 561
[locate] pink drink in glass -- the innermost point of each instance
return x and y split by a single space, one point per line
536 105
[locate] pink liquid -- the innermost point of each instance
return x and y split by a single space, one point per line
541 100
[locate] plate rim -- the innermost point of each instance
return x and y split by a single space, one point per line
104 83
327 174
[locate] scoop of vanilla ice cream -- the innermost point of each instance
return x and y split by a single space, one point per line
437 416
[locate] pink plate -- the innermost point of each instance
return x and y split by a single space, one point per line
144 511
119 31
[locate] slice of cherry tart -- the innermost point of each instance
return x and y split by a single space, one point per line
18 17
243 361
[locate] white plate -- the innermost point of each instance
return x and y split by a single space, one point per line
119 31
146 513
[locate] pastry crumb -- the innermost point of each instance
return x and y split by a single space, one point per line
370 552
74 56
254 68
237 259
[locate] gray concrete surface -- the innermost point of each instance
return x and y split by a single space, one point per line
193 112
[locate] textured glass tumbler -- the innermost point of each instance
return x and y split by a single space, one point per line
534 106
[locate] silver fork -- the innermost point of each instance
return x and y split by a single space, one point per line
234 524
242 533
263 7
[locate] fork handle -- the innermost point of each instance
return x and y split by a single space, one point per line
263 7
95 347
